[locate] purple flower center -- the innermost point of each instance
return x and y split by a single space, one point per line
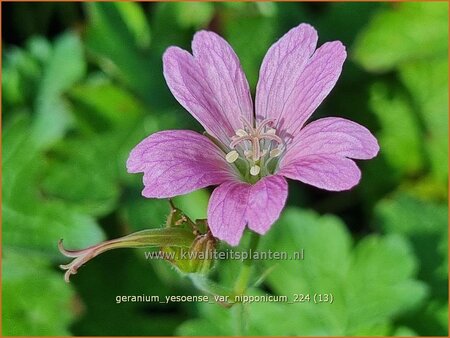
256 148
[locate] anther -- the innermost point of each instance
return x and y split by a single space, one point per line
267 122
248 153
253 136
254 170
232 156
241 132
275 152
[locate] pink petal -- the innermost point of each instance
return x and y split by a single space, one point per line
332 135
327 171
313 85
226 211
176 162
266 200
292 82
281 68
227 80
210 85
235 204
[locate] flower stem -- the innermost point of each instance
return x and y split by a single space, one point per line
239 318
244 275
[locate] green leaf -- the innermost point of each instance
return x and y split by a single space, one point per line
252 319
372 284
21 72
40 48
101 151
403 331
33 223
30 311
132 275
142 213
428 83
37 229
425 224
194 204
403 33
62 70
250 27
94 194
111 25
401 147
64 67
134 18
309 235
103 156
427 231
166 28
193 14
338 21
100 106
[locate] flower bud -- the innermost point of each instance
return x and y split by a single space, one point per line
199 258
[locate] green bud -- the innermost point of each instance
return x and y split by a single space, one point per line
189 245
199 258
175 237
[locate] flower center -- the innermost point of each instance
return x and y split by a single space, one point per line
256 146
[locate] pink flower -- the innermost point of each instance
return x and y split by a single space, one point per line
249 155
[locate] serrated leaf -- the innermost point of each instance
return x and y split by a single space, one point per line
102 156
376 266
33 223
427 231
425 224
62 70
372 284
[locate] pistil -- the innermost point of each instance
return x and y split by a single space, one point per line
250 139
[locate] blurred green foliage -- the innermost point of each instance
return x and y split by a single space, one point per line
371 283
76 99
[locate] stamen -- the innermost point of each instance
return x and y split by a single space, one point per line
248 153
238 140
256 149
254 170
271 137
241 132
264 123
250 138
232 156
247 124
275 152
